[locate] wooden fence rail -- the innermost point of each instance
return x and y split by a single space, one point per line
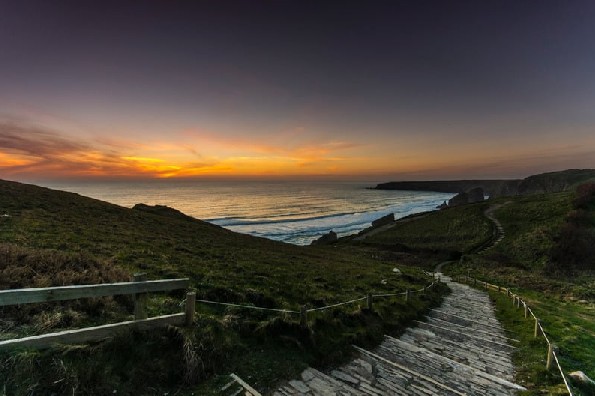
139 287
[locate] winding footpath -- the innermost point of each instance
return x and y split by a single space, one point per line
459 349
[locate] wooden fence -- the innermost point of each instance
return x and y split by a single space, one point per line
139 287
517 301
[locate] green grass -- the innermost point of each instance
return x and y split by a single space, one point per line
568 325
530 356
457 229
54 238
531 224
564 303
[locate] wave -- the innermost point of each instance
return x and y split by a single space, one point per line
239 221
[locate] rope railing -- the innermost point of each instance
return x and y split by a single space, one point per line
304 311
336 305
249 306
517 301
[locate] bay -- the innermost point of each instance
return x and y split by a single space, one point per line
288 211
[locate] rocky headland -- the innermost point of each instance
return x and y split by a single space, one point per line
536 184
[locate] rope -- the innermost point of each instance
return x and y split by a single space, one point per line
546 340
248 306
336 305
562 373
389 295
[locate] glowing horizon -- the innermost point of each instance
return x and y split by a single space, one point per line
391 91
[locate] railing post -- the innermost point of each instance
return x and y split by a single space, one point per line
369 300
486 285
303 317
536 331
526 310
474 281
498 288
550 356
190 307
407 295
140 299
518 302
513 300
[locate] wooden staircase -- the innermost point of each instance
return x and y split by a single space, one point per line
460 349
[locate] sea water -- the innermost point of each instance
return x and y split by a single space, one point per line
293 212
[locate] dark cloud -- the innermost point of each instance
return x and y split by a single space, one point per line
36 141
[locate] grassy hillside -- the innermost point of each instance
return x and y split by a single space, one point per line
54 238
547 255
447 232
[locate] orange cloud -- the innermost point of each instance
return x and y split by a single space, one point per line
36 152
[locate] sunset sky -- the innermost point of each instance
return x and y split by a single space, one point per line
383 90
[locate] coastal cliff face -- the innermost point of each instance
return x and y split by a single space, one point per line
452 186
536 184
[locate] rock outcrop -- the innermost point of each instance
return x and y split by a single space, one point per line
388 219
536 184
326 239
474 195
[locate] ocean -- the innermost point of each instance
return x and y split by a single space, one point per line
293 212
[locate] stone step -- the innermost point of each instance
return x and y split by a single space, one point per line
468 337
450 375
460 352
440 344
493 335
463 321
424 360
404 380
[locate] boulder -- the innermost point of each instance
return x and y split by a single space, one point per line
388 219
326 239
581 378
471 196
475 195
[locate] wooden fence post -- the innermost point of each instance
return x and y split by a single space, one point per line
303 317
518 302
369 300
190 307
550 356
513 300
407 295
140 299
536 331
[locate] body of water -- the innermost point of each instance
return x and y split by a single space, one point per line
294 212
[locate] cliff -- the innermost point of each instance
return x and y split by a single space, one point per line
491 187
536 184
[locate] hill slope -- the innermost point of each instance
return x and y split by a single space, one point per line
52 233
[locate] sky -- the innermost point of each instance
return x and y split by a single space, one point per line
383 90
